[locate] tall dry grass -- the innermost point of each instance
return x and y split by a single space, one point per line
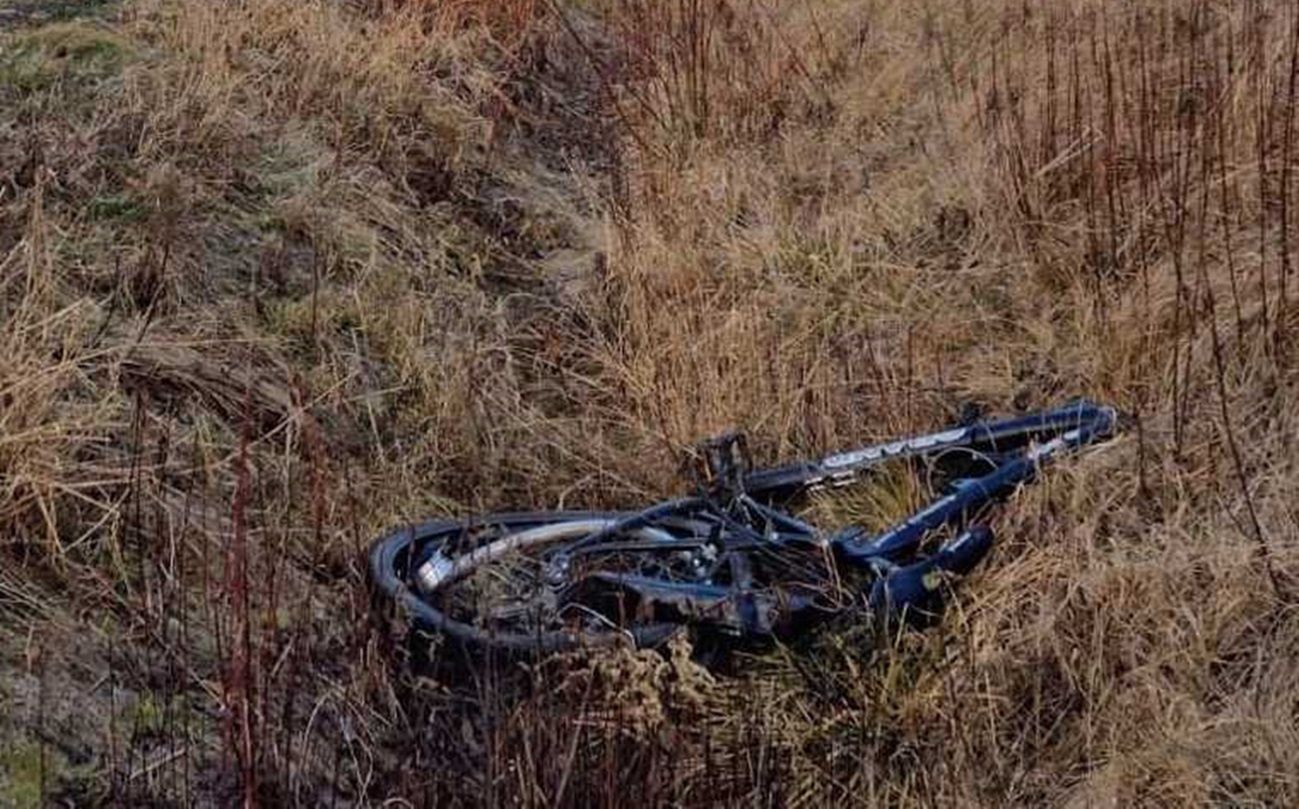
277 275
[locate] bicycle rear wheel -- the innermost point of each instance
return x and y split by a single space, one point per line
494 582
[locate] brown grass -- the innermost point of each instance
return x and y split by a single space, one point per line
275 275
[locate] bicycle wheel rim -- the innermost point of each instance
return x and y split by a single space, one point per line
391 558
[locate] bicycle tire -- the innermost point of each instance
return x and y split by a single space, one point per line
391 559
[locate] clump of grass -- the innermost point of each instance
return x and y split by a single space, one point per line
891 496
32 61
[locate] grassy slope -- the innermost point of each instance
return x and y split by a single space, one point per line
275 275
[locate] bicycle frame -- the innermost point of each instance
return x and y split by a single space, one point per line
743 508
1009 445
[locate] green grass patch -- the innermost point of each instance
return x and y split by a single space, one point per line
78 51
116 207
26 775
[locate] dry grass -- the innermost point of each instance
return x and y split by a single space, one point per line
275 275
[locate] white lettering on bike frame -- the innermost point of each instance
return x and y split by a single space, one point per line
1045 451
895 448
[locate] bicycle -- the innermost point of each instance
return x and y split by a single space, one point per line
729 562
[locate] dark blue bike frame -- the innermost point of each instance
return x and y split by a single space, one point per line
1007 453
